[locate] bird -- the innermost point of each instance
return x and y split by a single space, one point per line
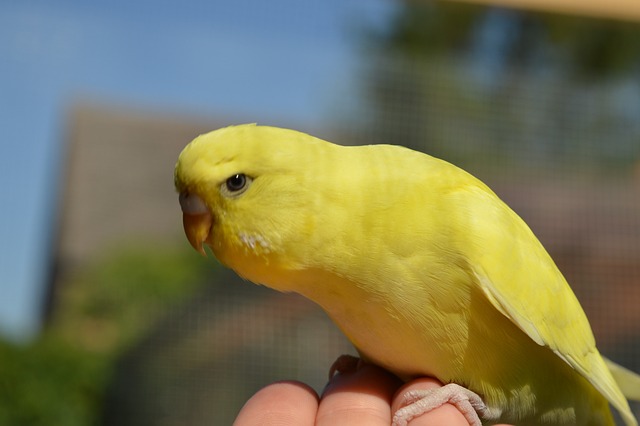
420 264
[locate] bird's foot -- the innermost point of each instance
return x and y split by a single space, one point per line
418 402
344 364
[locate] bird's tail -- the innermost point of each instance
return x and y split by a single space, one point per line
627 380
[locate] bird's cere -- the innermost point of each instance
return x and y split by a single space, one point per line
192 204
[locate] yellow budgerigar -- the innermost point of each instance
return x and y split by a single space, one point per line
420 264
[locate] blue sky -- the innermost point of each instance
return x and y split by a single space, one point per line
276 60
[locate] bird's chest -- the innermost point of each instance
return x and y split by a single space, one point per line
411 337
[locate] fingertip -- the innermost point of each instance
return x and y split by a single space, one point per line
281 403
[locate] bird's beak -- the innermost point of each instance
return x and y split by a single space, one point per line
196 219
197 228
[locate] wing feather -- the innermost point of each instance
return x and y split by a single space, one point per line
520 279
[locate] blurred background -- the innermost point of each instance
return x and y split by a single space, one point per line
108 317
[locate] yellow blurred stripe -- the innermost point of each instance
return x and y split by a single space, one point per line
628 10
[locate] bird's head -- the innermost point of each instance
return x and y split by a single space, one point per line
243 193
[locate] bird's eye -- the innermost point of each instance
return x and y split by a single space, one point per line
236 185
236 182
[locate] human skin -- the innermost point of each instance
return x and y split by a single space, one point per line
367 395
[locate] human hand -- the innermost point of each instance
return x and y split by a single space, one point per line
364 396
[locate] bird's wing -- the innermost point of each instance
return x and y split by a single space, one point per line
521 281
628 381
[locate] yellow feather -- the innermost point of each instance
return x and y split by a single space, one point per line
419 263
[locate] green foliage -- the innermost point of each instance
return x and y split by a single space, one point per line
490 88
585 47
50 383
428 28
123 294
595 48
61 378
